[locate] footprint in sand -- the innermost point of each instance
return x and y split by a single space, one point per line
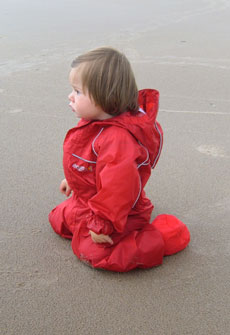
211 150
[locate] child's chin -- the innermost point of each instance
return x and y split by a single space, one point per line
76 114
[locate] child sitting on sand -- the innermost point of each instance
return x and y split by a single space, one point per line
107 161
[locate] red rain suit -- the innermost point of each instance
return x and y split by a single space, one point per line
107 164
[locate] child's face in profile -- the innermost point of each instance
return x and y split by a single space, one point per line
80 102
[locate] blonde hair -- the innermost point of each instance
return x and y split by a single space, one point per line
108 77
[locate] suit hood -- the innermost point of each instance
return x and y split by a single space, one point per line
143 125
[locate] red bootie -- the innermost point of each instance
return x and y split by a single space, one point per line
174 232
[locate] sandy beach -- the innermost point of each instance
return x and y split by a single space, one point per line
180 48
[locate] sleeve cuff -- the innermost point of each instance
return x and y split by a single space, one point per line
99 225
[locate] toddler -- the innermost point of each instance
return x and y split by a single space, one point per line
107 161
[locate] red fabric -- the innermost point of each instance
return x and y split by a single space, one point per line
107 164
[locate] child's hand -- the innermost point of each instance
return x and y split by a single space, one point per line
100 238
64 188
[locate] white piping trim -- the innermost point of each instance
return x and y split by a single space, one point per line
95 140
146 160
138 194
141 110
160 147
83 159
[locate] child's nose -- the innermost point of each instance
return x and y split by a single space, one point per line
71 96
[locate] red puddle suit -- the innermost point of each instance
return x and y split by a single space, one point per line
107 164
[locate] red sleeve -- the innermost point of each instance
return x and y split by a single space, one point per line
117 180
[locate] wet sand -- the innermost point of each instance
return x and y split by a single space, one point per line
180 48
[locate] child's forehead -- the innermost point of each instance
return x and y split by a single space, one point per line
75 76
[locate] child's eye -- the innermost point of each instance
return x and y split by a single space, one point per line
78 92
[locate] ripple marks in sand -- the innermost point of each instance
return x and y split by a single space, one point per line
219 63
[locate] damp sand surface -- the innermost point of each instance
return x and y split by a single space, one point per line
180 48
